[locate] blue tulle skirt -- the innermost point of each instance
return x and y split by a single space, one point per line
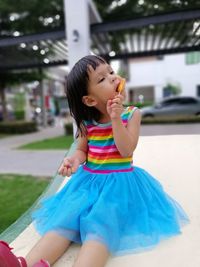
128 212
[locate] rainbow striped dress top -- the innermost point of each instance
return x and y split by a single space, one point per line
103 155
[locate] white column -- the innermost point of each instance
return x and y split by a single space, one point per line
43 108
28 110
158 92
77 29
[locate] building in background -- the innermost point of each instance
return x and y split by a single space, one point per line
151 79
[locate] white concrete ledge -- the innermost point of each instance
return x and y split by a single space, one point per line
174 161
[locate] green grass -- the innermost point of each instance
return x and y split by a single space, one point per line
3 135
61 142
18 193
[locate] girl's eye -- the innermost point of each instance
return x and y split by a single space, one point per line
101 80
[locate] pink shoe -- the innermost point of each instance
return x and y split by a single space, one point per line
41 263
8 259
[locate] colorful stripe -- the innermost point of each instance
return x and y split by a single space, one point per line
108 160
100 137
106 171
103 155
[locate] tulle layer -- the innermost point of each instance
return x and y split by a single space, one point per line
128 212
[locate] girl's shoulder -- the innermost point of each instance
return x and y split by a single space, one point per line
126 116
128 112
88 123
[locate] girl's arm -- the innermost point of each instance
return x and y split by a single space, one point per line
71 164
81 150
126 138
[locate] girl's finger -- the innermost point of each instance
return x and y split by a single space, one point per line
64 172
75 166
116 105
67 172
66 161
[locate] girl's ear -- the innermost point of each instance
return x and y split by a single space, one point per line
89 101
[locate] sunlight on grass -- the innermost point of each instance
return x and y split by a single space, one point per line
60 142
18 193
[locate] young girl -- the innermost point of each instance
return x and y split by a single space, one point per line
109 206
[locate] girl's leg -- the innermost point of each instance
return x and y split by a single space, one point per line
50 247
92 254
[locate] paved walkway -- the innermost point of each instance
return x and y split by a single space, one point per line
39 163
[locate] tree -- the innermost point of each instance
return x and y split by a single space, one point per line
128 9
172 89
117 10
26 17
14 78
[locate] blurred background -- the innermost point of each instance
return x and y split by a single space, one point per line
155 45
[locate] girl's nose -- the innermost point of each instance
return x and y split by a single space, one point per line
113 77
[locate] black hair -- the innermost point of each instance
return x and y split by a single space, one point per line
77 87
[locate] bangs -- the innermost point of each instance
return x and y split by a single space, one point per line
94 62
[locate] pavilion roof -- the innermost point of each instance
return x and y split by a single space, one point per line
156 35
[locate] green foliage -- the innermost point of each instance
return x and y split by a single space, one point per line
15 78
19 106
18 77
19 101
115 10
122 73
173 89
30 16
18 127
19 115
68 128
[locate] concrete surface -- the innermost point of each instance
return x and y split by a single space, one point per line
170 129
174 161
39 163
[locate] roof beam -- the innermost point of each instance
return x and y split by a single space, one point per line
152 53
145 21
9 41
33 65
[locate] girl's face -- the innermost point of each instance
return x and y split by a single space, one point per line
103 83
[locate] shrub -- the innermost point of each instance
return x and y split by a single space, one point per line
19 115
18 127
68 128
138 104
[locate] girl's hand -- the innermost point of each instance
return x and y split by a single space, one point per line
115 107
69 166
